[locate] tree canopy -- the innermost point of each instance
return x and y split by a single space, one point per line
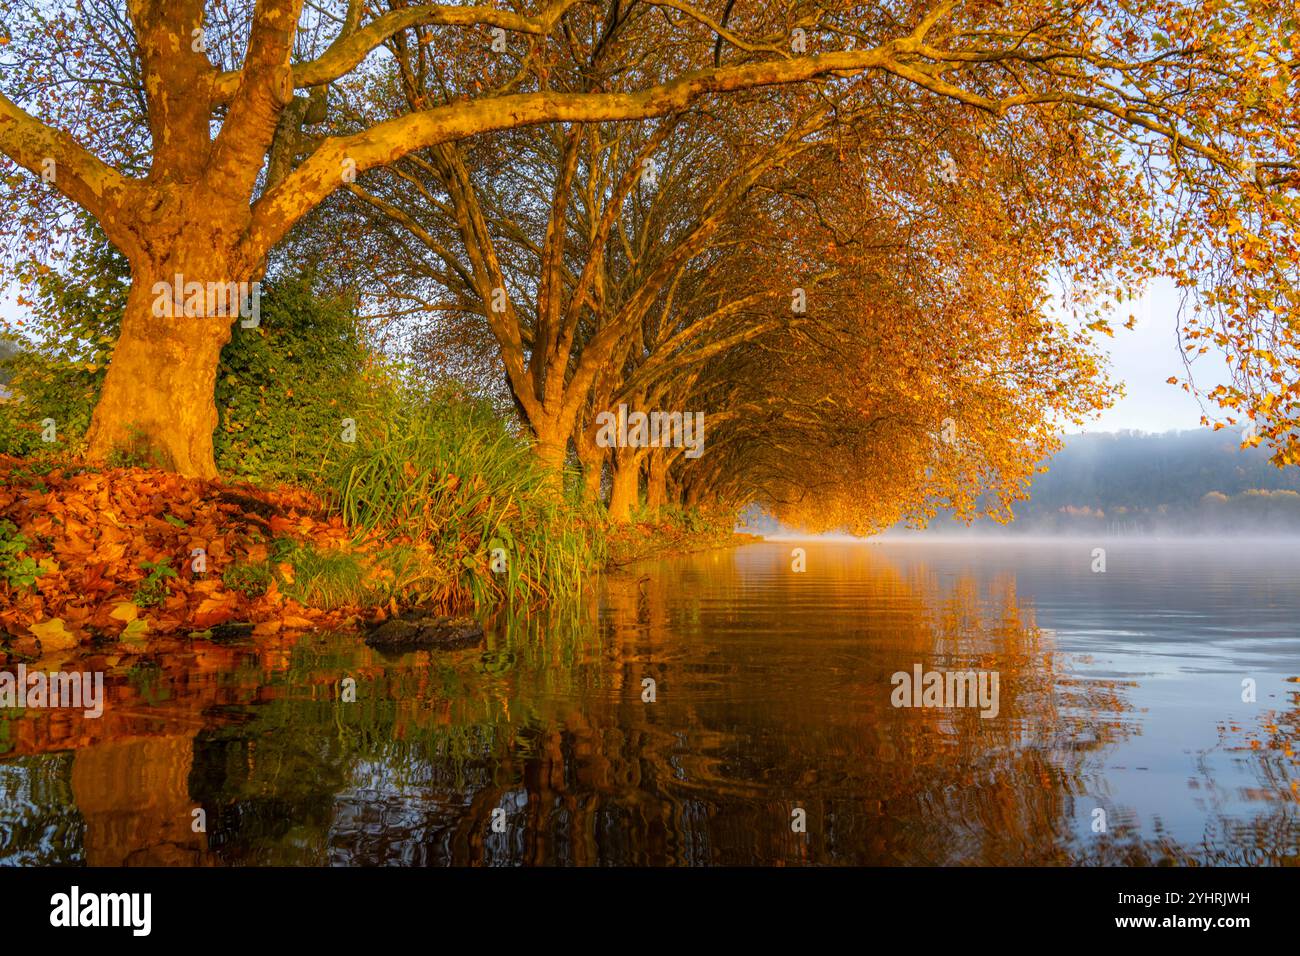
831 228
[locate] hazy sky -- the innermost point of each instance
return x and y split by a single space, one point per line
1144 359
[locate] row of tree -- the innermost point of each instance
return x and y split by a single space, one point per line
829 228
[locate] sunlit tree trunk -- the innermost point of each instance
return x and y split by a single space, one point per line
624 486
592 458
552 427
693 492
656 481
551 450
157 399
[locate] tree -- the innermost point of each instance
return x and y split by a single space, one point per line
834 222
927 371
281 388
569 270
187 194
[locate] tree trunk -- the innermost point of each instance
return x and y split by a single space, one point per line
593 470
551 450
656 482
624 487
693 492
551 453
157 403
592 457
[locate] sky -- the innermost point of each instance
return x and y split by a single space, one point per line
1144 359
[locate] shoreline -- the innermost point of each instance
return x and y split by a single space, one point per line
129 560
738 539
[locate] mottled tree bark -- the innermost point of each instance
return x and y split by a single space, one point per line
625 485
656 481
157 399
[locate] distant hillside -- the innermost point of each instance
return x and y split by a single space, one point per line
7 350
1184 482
1188 482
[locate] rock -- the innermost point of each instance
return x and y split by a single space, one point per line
419 630
230 632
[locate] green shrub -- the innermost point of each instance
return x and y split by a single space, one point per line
55 372
153 590
282 388
17 569
285 386
250 580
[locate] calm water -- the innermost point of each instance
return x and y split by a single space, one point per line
1119 691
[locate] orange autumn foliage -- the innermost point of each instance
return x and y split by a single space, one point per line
91 533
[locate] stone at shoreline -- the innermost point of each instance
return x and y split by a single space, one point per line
230 632
419 630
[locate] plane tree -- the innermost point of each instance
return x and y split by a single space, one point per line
186 130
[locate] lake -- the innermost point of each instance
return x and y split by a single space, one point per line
720 708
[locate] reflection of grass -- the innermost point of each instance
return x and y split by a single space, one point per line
441 724
148 680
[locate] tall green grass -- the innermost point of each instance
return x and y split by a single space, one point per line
450 473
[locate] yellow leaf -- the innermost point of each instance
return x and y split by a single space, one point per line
54 635
125 611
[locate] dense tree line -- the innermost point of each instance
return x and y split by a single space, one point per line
829 228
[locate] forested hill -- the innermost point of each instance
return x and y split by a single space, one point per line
1187 482
7 349
1175 482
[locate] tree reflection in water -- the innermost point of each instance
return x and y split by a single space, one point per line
772 693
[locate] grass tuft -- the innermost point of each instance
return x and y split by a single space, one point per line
453 477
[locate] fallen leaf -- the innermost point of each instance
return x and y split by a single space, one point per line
213 611
125 611
54 635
